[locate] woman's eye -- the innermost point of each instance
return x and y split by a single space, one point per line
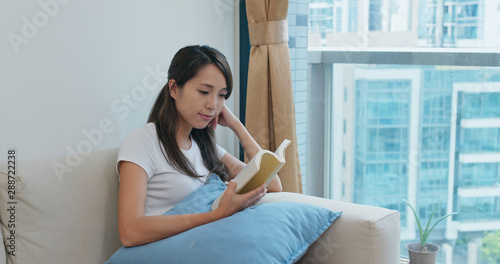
203 92
223 95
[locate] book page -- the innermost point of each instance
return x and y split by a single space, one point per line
280 151
269 165
261 169
247 173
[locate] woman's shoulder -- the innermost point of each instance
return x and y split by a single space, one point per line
147 129
139 147
145 133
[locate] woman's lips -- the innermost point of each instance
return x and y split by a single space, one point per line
206 117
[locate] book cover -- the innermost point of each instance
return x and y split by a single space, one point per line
262 168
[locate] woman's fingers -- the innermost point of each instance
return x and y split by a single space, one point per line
225 117
242 201
231 187
213 122
254 196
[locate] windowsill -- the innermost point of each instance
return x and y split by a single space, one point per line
405 56
407 49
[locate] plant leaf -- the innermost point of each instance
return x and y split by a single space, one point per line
440 219
418 221
427 231
425 234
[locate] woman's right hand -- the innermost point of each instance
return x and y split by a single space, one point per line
231 202
224 118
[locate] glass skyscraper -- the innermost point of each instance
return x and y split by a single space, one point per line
431 135
404 23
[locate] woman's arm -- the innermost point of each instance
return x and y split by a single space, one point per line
234 165
137 229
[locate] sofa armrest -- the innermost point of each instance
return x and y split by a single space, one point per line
68 215
362 234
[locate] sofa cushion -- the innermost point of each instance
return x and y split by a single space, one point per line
62 216
371 230
269 233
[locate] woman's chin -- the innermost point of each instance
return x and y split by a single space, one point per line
202 126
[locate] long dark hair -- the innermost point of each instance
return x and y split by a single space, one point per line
185 66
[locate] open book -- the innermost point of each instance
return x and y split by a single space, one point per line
262 168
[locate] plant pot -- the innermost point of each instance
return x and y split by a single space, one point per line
421 257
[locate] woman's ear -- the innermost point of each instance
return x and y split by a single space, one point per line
173 89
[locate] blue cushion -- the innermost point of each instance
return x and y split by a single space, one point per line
277 232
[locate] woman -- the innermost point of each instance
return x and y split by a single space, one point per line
174 153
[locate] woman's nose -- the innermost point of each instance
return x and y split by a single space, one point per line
212 102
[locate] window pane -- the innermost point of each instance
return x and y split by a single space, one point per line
404 23
422 124
396 128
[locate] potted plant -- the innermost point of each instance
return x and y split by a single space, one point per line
423 252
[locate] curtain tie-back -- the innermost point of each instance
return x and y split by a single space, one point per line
270 32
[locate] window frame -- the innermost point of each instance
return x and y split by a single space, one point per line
321 65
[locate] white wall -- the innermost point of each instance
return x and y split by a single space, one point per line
71 71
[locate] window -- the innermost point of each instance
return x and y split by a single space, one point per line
353 16
375 16
467 32
468 10
422 119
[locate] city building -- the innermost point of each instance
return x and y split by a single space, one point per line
404 23
458 23
431 135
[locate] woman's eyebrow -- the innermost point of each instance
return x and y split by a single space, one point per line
207 85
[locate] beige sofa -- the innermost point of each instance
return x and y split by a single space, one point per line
64 210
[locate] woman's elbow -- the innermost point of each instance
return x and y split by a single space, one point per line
275 185
127 243
127 236
126 239
278 188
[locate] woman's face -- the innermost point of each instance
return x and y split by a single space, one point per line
201 98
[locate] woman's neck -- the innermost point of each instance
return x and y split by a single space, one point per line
183 138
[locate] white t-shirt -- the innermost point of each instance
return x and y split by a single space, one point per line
166 186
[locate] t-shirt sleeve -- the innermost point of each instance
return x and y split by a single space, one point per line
221 151
137 147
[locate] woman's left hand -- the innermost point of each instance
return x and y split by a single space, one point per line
224 118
